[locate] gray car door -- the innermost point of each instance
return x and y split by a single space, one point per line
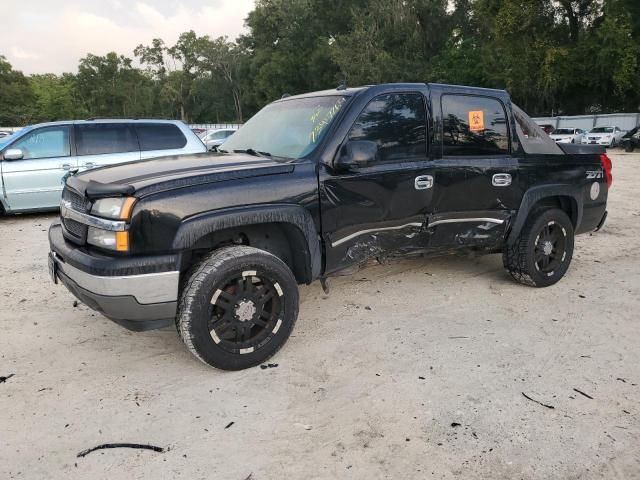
103 144
36 180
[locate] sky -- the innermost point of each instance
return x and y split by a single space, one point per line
50 36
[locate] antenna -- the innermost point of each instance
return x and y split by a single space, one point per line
343 85
285 95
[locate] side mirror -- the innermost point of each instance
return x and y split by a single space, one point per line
13 154
357 153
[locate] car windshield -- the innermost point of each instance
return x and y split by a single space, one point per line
564 131
602 130
290 128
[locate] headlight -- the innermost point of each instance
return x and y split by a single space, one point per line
118 241
114 208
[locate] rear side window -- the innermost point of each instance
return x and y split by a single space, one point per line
473 126
104 138
397 123
159 136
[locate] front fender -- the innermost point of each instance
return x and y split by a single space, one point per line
194 228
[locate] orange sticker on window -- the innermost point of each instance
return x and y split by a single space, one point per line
476 121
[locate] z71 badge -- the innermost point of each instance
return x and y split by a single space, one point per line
591 174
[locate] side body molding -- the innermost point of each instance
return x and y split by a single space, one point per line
194 228
535 194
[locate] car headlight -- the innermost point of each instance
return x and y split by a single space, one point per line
114 208
118 241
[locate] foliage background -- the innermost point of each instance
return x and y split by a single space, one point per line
553 56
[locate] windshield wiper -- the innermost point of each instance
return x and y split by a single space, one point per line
251 151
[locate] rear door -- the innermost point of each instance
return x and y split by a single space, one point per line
102 144
380 208
160 139
35 181
476 177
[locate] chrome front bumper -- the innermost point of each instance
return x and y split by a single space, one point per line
137 301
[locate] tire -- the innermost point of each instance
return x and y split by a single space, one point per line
547 236
628 147
238 307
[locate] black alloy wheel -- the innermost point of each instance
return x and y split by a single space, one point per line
550 248
245 311
238 307
541 254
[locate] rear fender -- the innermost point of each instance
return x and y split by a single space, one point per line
537 194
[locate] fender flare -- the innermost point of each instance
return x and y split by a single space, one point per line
534 195
194 228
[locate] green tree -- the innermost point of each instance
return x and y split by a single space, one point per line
16 96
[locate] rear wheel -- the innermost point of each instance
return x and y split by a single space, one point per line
628 147
238 307
541 255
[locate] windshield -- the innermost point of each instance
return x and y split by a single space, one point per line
290 128
602 130
564 131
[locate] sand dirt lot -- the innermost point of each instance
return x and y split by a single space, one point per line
415 369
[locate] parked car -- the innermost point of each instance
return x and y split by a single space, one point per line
607 136
215 137
314 184
568 135
35 160
547 128
631 140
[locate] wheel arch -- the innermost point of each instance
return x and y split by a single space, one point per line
287 231
564 197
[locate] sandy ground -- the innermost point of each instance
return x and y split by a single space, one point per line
373 383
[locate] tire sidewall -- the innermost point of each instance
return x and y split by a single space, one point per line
539 278
197 304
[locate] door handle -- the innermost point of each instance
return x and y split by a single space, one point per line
89 165
501 180
423 182
66 166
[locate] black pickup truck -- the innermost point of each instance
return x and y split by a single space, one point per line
217 243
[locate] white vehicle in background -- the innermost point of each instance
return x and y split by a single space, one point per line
607 136
568 135
214 137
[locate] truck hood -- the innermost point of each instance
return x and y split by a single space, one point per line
158 174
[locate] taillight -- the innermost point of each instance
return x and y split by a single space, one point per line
607 167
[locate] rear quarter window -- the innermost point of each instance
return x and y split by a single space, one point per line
158 136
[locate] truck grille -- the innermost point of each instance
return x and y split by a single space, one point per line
78 202
75 231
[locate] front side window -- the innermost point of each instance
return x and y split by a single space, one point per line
473 126
158 136
105 138
287 128
397 122
47 142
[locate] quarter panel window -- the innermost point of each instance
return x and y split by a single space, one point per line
397 123
45 142
473 126
159 136
105 138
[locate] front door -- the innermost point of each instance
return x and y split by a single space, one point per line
476 178
381 207
35 181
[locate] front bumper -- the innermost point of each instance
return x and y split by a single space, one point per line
137 293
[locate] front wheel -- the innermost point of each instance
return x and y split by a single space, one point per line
238 307
542 253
